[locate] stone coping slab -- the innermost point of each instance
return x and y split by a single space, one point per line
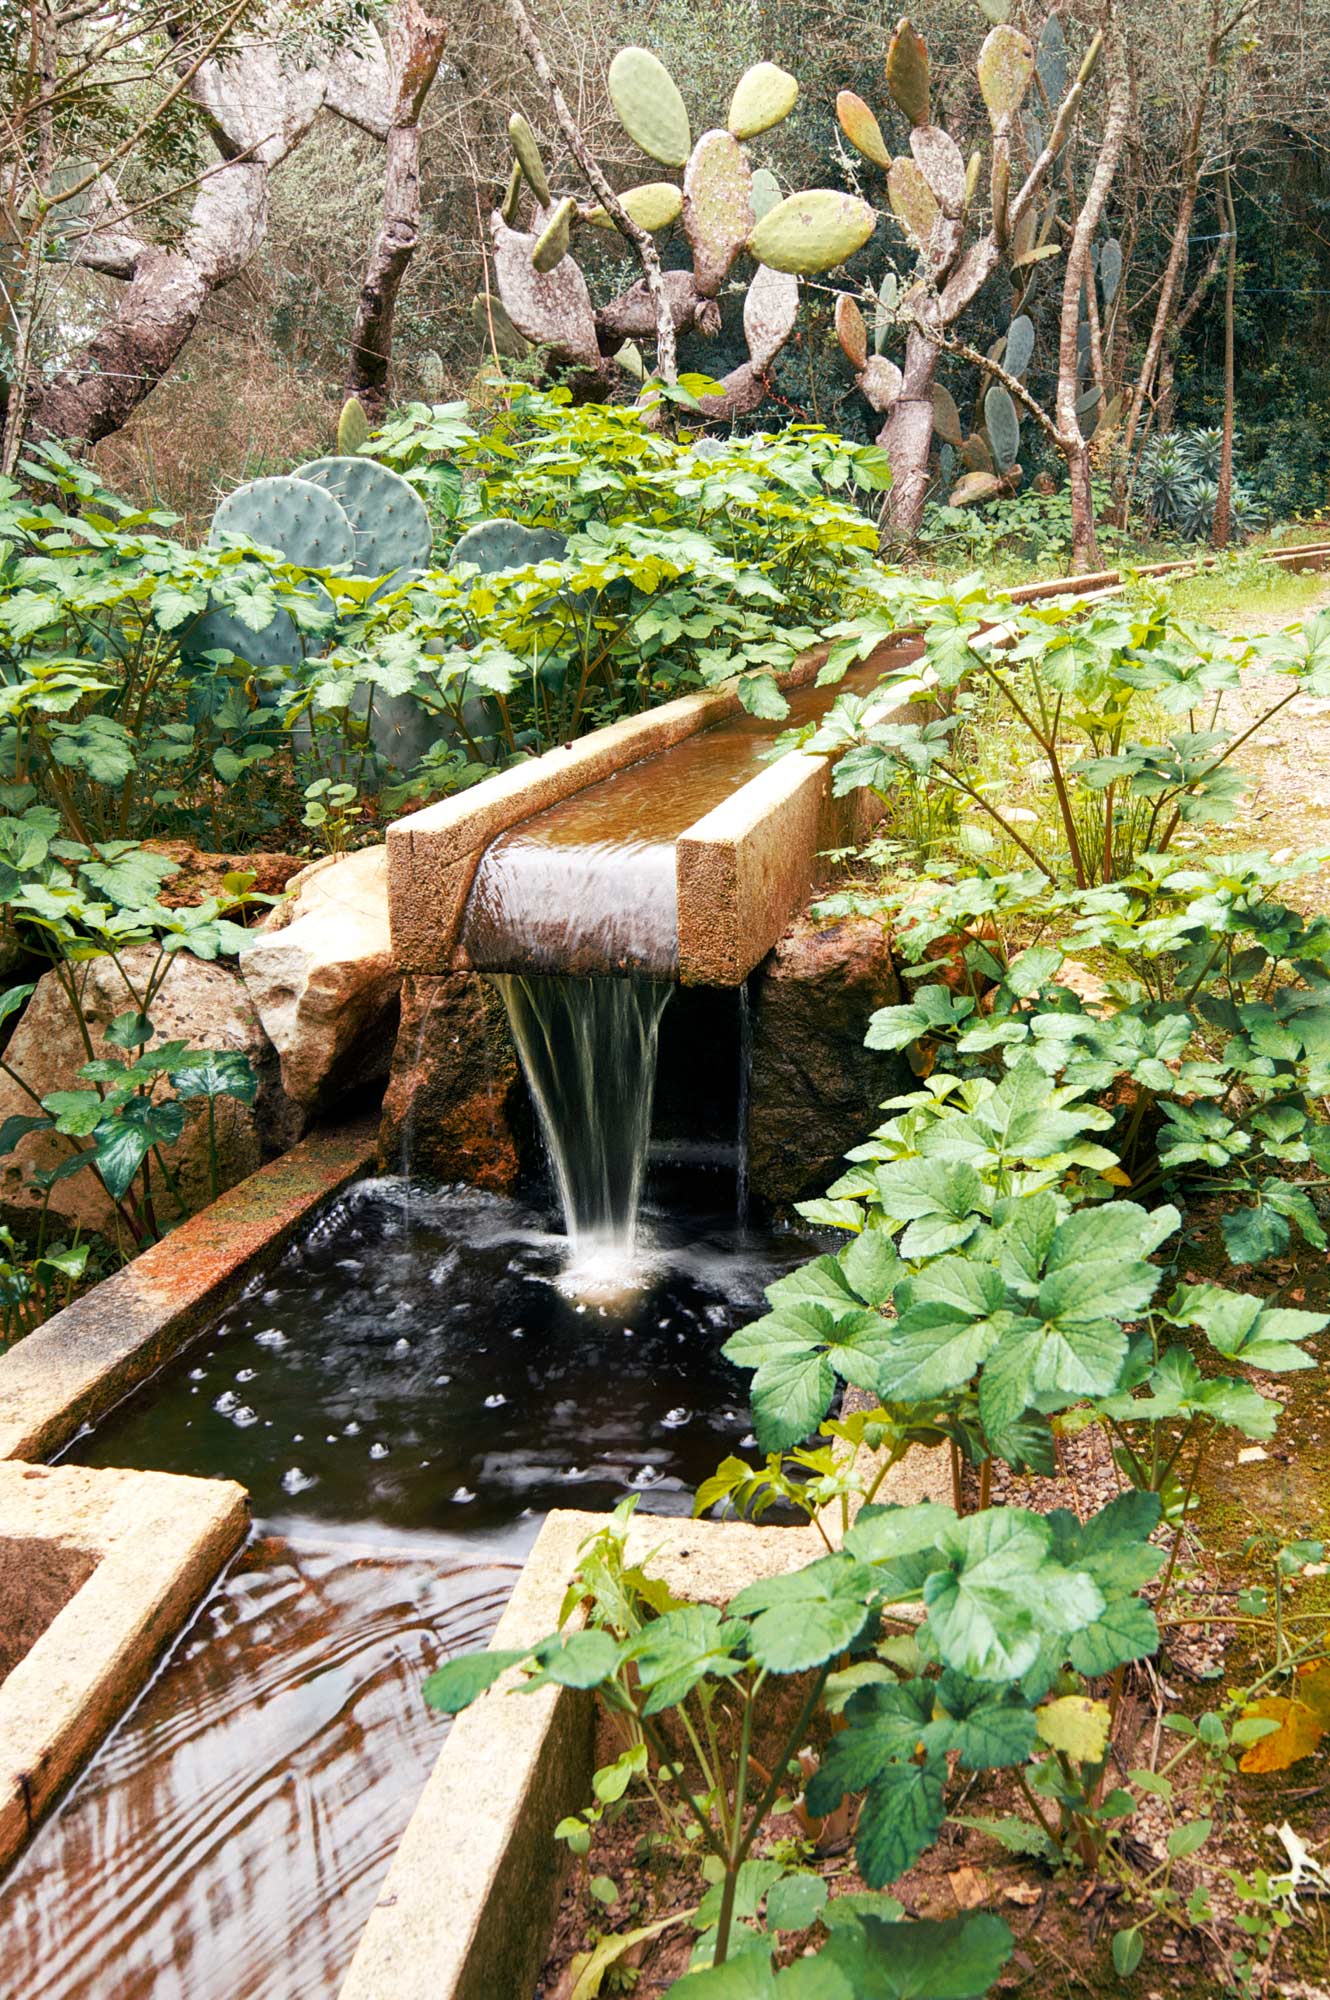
72 1369
468 1904
117 1562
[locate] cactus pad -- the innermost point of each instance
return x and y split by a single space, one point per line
1003 427
913 203
549 308
352 426
861 128
1051 59
1019 351
1005 67
551 246
765 194
907 72
281 643
851 331
294 515
975 488
812 232
489 315
717 207
975 454
940 161
946 417
527 154
1110 269
649 107
499 545
771 308
763 96
654 205
387 515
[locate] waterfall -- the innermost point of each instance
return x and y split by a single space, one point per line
588 1050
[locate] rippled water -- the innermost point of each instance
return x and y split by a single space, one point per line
404 1399
228 1842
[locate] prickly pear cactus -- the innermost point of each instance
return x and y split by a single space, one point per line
1003 427
654 205
763 96
280 643
812 232
907 72
861 128
647 101
387 516
499 545
718 214
301 519
352 426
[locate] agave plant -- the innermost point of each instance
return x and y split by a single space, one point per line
1179 486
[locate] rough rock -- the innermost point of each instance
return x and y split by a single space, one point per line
456 1108
201 1003
324 980
814 1088
201 872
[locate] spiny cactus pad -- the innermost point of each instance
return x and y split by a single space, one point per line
913 203
499 545
940 161
812 232
352 426
907 72
527 154
654 205
1003 427
551 246
1110 269
294 515
649 106
881 382
765 192
1005 67
387 515
281 643
771 308
851 331
1019 350
1052 59
946 417
551 309
763 96
717 207
861 128
489 315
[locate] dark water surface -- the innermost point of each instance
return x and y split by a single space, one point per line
404 1398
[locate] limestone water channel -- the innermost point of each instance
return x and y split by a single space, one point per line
424 1374
404 1397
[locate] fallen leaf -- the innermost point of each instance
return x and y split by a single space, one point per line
968 1887
1300 1730
1024 1893
1314 1689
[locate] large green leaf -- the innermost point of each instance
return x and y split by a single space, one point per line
798 1352
808 1617
216 1073
1242 1328
1002 1595
682 1648
455 1685
125 1139
900 1819
953 1958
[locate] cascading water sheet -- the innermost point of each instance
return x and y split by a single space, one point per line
588 1049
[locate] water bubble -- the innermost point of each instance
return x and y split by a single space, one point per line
272 1336
747 1441
226 1402
646 1475
351 1430
246 1374
198 1374
296 1481
674 1420
401 1347
440 1380
462 1495
378 1451
495 1402
244 1417
299 1438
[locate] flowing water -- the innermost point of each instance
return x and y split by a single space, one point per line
404 1397
588 1051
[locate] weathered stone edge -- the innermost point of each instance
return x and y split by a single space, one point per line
467 1907
159 1542
71 1370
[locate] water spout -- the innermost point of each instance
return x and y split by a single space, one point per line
588 1050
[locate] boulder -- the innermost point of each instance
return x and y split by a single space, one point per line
323 979
456 1108
814 1089
201 1003
201 872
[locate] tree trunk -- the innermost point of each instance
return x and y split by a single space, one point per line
1084 542
158 312
1223 521
907 437
415 47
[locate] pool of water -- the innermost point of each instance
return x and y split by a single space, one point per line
405 1396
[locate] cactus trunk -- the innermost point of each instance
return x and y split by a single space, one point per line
907 437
